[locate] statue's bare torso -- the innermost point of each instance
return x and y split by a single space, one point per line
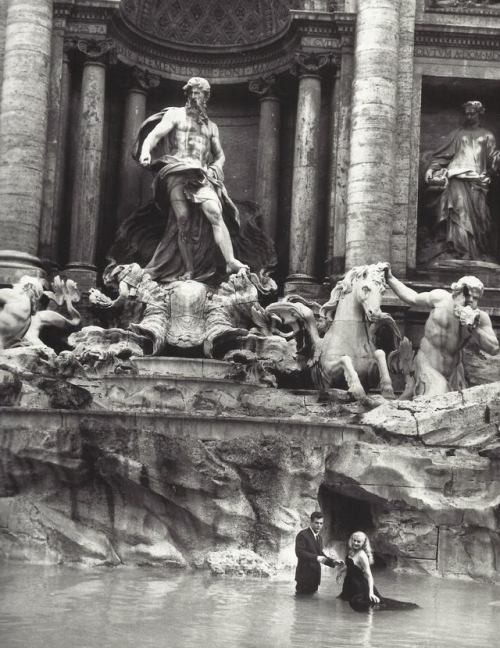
189 140
443 337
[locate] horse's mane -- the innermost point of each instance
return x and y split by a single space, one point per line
344 286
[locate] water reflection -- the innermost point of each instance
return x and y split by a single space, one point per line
61 607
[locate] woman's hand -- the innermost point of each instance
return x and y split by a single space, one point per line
374 598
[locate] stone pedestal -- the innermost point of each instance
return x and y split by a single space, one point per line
267 175
135 113
370 195
304 217
87 182
23 127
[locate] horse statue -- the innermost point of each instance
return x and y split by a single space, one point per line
348 350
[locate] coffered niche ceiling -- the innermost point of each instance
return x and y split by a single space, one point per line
209 23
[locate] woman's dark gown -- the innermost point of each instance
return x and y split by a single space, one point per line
355 590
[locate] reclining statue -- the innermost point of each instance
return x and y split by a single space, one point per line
21 321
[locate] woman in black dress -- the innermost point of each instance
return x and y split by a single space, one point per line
358 587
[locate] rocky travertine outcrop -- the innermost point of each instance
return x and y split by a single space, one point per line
213 471
212 491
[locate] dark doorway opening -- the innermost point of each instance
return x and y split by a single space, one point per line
344 514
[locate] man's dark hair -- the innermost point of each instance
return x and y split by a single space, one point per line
316 515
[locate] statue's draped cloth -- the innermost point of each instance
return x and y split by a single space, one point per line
469 155
150 235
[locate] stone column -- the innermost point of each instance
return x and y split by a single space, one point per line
268 151
135 113
404 176
87 181
60 81
303 225
23 128
337 207
370 194
3 24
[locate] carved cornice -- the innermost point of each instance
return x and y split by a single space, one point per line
463 7
472 43
92 50
307 31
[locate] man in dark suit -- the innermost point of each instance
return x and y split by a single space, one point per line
309 551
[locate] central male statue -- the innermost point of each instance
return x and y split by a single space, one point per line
184 149
454 320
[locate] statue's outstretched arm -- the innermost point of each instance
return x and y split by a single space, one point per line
485 336
412 297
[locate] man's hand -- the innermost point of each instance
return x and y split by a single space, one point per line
145 159
333 562
428 175
321 559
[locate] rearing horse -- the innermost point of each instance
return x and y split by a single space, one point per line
348 349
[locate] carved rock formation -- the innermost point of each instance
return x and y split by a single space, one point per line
104 487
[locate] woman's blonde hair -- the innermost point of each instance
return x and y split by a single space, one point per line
366 546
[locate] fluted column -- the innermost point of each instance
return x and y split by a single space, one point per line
304 217
267 175
87 182
51 217
23 128
140 82
370 194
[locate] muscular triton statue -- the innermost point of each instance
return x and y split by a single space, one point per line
454 320
184 150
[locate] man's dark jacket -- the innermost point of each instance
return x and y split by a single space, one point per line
307 550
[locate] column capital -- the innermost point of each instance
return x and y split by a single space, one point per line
93 50
141 80
264 87
310 63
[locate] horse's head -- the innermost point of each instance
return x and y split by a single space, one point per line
367 285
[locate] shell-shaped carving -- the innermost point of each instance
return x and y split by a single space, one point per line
187 313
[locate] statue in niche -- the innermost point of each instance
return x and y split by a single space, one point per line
454 321
460 170
192 229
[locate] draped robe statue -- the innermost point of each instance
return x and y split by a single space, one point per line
462 167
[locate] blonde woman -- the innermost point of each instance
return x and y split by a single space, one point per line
358 587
